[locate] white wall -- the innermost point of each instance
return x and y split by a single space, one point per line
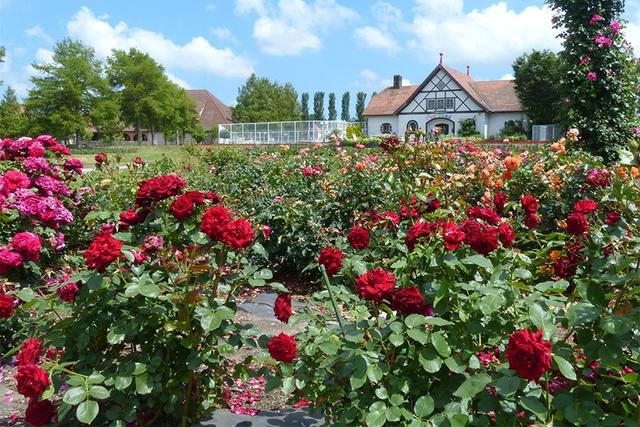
375 122
497 120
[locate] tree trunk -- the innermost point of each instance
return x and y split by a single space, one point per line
139 131
153 135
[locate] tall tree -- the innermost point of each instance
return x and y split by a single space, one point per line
107 118
318 106
360 100
2 54
65 90
261 100
304 102
333 114
13 120
602 73
538 77
346 100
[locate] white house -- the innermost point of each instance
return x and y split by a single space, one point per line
444 99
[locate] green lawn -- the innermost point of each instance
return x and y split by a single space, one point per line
147 152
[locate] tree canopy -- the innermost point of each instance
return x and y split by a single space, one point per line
360 100
318 106
261 100
333 113
304 101
346 99
13 121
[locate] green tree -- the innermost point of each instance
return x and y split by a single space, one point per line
13 120
107 119
66 90
318 106
2 54
346 99
538 77
261 100
601 73
361 97
333 114
304 101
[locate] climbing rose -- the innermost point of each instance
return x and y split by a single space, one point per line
417 230
577 224
358 238
182 207
214 222
375 285
282 347
68 292
29 352
585 206
6 306
238 234
159 188
331 258
282 308
615 27
532 220
408 301
27 244
506 234
32 380
612 217
529 354
529 204
102 252
453 236
40 412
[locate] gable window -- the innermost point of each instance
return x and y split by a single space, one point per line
412 126
385 128
451 103
431 104
440 104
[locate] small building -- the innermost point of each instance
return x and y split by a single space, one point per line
444 99
211 111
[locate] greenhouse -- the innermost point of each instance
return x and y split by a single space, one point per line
292 132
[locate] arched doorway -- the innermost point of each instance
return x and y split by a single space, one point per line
447 126
412 126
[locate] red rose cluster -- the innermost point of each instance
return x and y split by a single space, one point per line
529 354
218 225
577 221
159 188
104 250
282 348
25 246
331 258
530 207
182 206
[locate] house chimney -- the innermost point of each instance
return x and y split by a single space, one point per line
468 70
397 81
441 58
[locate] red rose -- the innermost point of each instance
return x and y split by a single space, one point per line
585 206
375 285
433 205
471 228
282 308
238 234
358 237
9 260
529 204
214 222
68 292
418 230
453 236
6 305
612 217
29 352
529 354
577 224
331 258
499 200
40 412
28 245
196 196
132 217
408 301
486 214
532 220
565 267
13 180
506 234
159 188
282 348
182 207
32 380
102 252
212 197
101 158
391 217
266 232
484 242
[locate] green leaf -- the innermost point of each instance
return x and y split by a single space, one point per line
396 339
359 375
328 347
99 392
139 368
507 386
418 335
87 411
150 290
264 274
472 386
26 294
437 321
615 325
396 399
260 250
374 373
424 407
581 313
491 303
522 273
430 362
95 379
142 384
122 382
376 418
288 385
565 367
440 344
115 336
480 261
74 396
414 320
402 262
532 404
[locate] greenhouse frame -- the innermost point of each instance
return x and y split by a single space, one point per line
291 132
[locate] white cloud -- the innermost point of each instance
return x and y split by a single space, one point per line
196 55
224 33
293 26
376 38
494 35
37 32
210 7
44 55
182 83
18 80
386 13
507 76
369 79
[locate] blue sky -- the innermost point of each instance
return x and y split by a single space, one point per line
328 45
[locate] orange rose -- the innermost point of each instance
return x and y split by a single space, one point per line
554 255
635 172
512 162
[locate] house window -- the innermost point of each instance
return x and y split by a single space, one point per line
412 126
431 104
440 104
451 103
385 128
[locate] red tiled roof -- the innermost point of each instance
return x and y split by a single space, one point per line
493 96
210 109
